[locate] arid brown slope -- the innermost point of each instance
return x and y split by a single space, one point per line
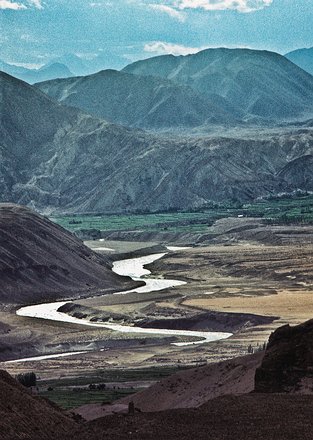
187 389
248 417
253 416
40 261
192 388
288 362
23 416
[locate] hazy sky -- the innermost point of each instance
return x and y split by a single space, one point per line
34 31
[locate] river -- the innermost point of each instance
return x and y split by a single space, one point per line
134 268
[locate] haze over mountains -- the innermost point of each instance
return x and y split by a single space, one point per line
50 71
302 58
138 101
216 86
259 83
62 160
64 66
56 158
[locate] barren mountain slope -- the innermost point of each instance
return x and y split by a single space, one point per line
258 83
40 261
57 159
23 416
137 101
187 389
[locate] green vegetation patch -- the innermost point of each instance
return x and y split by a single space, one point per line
68 392
287 208
70 398
114 375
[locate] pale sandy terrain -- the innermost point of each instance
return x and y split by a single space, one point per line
292 306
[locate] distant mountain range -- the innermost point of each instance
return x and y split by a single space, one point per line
303 58
139 101
82 67
45 73
214 86
58 159
65 66
260 84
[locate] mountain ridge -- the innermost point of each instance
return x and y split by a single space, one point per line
58 159
137 101
302 58
261 83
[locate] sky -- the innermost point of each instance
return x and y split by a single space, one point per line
35 31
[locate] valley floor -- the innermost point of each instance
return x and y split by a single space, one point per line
249 283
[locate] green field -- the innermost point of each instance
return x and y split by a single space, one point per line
114 375
69 398
285 209
66 392
146 222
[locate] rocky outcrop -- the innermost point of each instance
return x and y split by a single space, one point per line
287 366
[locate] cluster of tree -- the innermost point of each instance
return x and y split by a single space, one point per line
289 220
256 349
99 387
27 379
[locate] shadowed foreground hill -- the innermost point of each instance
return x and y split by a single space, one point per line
40 261
253 416
23 416
248 417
